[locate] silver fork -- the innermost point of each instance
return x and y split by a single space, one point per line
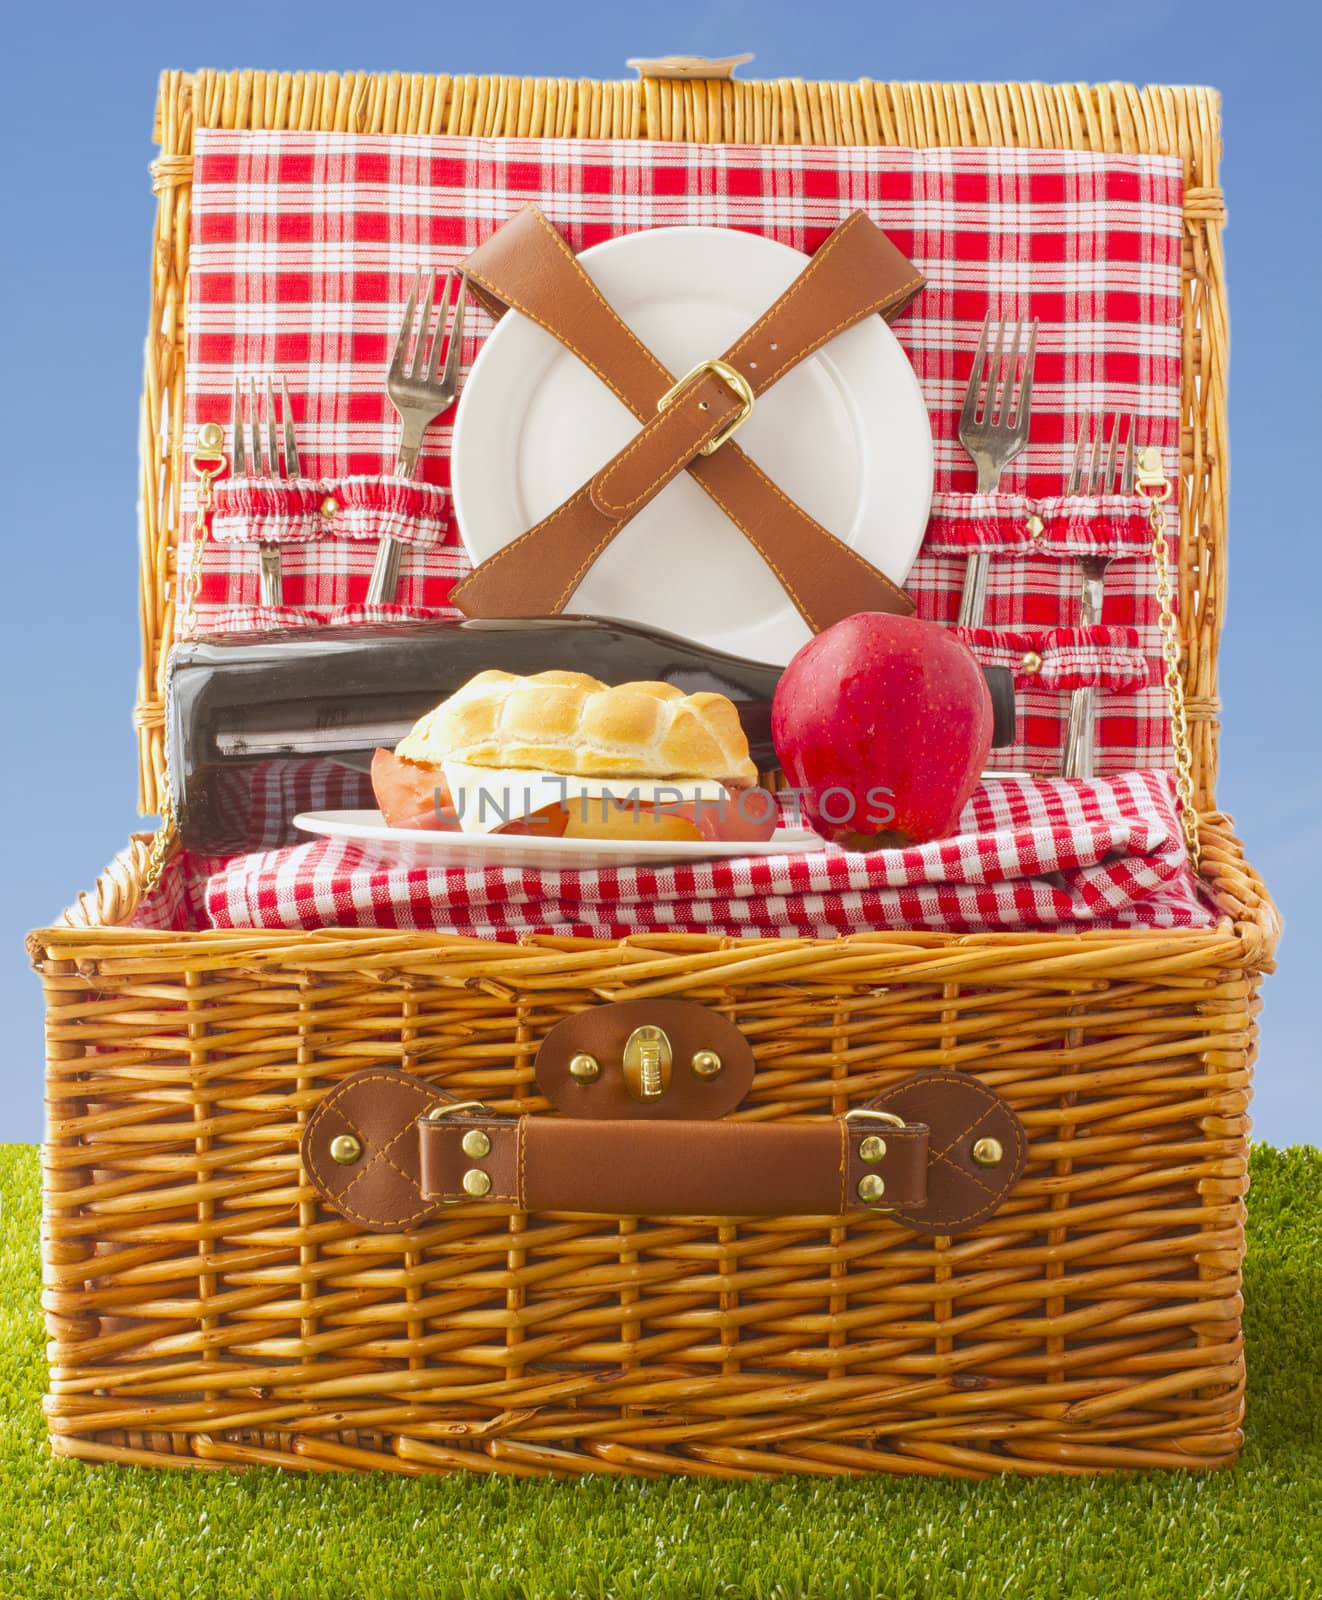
419 395
993 435
268 465
1092 475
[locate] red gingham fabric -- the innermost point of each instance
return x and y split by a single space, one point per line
289 512
1066 526
1061 658
1029 854
304 246
258 800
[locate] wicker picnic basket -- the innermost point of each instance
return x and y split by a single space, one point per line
205 1310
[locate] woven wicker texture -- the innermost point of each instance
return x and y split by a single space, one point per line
204 1311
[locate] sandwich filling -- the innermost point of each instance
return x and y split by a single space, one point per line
637 761
453 796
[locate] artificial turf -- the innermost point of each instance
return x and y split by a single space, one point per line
68 1529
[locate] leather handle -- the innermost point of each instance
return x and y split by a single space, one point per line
938 1152
673 1168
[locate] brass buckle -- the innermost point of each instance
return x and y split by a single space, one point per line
737 383
877 1116
447 1108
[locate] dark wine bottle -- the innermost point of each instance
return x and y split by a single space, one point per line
262 726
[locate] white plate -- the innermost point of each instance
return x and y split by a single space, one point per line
845 434
424 847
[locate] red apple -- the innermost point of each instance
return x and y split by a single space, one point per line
884 724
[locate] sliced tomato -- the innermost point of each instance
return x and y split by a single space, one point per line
748 815
411 795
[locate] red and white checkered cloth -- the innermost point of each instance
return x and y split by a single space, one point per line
1030 854
304 246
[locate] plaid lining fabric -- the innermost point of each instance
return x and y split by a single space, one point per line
1066 526
1062 658
372 508
304 246
1029 854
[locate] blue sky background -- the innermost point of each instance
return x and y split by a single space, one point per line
76 115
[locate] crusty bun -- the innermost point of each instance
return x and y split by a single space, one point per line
568 722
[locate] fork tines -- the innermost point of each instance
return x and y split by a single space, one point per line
266 461
983 408
1094 472
427 348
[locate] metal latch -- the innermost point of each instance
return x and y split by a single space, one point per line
647 1059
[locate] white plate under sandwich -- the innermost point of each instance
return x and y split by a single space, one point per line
845 434
434 847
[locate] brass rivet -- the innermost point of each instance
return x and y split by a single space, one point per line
329 506
476 1182
585 1069
210 436
345 1149
988 1152
706 1063
475 1143
872 1148
871 1188
1036 526
1032 662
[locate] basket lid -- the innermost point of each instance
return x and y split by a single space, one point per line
698 99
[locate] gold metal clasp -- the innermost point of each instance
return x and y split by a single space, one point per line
647 1059
209 458
1150 476
739 384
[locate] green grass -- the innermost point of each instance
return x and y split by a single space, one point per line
70 1530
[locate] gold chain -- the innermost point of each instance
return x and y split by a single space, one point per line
209 463
1155 488
164 841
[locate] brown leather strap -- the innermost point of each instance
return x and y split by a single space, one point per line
674 1168
391 1152
527 266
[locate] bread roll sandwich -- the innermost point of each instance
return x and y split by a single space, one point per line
565 755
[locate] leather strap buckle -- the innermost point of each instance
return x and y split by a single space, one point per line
448 1108
867 1114
740 386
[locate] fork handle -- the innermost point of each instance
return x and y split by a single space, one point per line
269 574
383 585
410 445
1080 744
1079 755
973 601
